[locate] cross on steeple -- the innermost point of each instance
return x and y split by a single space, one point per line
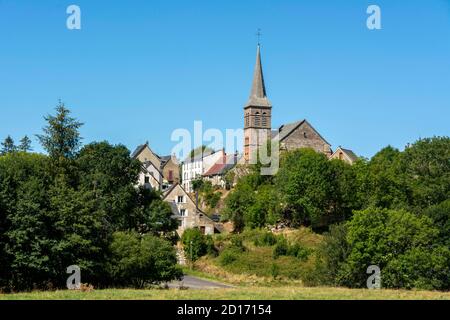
258 35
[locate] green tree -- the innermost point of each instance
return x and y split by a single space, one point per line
8 145
331 257
382 183
61 138
195 244
199 151
440 214
427 165
142 260
112 174
306 183
158 218
25 144
392 240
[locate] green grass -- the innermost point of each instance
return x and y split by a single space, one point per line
258 261
248 293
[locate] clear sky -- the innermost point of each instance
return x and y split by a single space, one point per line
139 69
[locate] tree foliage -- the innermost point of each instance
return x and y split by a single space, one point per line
142 260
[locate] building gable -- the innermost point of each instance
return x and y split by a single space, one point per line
144 154
303 135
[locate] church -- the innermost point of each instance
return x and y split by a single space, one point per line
258 123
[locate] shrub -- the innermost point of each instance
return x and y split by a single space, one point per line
237 243
140 260
296 250
404 246
266 239
227 257
281 248
195 244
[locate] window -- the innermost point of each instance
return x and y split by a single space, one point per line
257 119
183 212
147 179
170 176
247 122
247 141
341 156
180 199
304 135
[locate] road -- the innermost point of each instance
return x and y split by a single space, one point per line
197 283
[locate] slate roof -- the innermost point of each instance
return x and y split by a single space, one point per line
138 150
350 154
258 96
285 130
221 166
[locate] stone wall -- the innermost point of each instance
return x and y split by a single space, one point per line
305 137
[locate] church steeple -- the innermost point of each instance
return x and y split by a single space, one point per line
257 113
258 96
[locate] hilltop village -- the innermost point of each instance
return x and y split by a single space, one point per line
175 178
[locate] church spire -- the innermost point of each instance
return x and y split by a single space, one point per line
258 97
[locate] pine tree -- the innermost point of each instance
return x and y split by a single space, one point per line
25 144
61 138
8 145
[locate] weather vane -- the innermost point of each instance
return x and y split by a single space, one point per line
258 35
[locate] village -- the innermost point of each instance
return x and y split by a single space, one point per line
175 178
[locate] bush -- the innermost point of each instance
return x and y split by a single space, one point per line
140 260
281 248
227 257
296 250
195 244
267 239
237 243
404 246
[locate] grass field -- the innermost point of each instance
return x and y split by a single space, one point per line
242 293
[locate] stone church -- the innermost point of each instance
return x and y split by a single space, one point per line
258 123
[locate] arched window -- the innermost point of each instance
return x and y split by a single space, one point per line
257 119
264 119
247 120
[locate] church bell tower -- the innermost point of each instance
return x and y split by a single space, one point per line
257 114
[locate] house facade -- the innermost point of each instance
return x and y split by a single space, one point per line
194 167
157 172
345 155
187 213
216 174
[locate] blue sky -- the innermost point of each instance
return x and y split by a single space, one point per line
139 69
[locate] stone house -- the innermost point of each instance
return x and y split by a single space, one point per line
158 172
301 134
345 155
216 174
187 213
